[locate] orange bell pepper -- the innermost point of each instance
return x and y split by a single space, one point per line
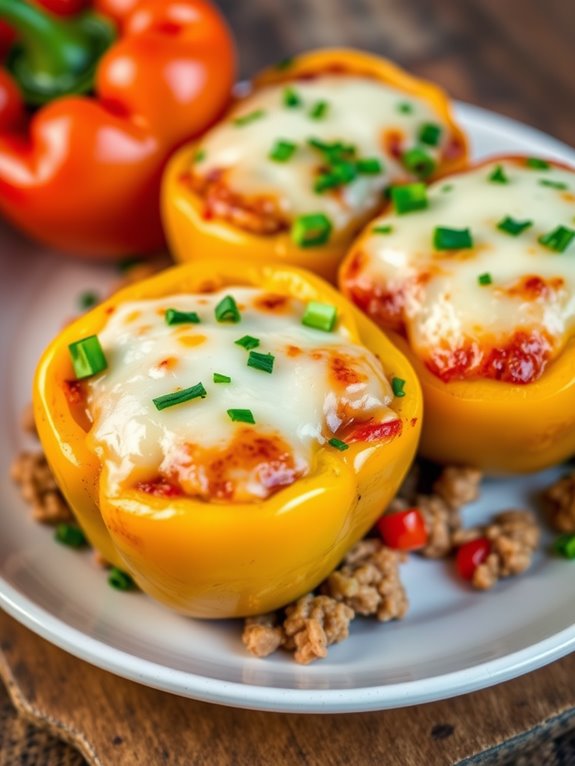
119 90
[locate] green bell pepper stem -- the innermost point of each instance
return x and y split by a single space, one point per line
54 57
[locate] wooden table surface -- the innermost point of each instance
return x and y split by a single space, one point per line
516 57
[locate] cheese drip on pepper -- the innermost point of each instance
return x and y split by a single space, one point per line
245 178
321 384
502 307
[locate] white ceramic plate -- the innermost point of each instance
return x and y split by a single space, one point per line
453 640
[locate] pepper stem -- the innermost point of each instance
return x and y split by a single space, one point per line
54 57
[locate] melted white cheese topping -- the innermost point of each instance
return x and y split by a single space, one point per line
360 111
147 358
445 301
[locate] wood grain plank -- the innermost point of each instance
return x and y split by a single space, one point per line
114 722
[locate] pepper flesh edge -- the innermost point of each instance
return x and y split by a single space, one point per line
224 560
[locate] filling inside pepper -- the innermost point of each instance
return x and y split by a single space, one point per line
227 396
478 272
315 155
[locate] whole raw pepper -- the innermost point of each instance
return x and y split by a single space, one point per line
222 560
118 91
194 235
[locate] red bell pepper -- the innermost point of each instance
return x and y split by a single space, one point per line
118 91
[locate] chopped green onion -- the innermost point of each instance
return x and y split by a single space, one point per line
68 534
173 316
340 174
246 119
219 378
446 187
282 151
451 239
227 310
291 98
199 155
285 63
497 176
558 240
120 580
419 162
405 107
409 197
387 229
319 110
241 416
311 230
430 133
247 342
320 316
338 444
513 227
129 263
485 279
565 546
537 164
369 166
87 357
87 300
179 397
333 152
553 184
263 362
397 386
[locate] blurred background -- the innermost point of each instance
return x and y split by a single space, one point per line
516 57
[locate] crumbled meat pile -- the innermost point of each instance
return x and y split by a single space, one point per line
367 583
38 488
514 536
560 500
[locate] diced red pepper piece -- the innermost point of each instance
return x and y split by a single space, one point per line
470 555
404 530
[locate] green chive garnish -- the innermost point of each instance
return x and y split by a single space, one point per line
451 239
387 229
409 197
485 279
285 63
333 152
405 107
338 444
68 534
128 263
241 416
120 580
246 119
369 166
219 378
87 357
247 342
513 227
320 316
418 162
497 176
446 187
537 164
291 98
263 362
282 151
179 397
227 310
340 174
553 184
558 240
311 230
397 386
430 133
565 546
199 155
173 316
319 110
87 300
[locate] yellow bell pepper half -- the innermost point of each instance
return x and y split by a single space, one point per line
227 560
192 236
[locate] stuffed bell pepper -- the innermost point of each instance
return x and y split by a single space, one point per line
225 432
93 103
474 279
302 162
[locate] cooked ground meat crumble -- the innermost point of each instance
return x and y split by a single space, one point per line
560 500
38 488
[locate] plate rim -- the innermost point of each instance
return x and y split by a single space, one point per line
306 700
